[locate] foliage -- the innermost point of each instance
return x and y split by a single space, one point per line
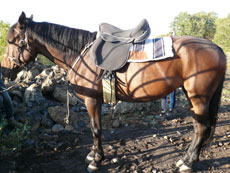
4 27
222 36
200 24
3 123
44 60
12 142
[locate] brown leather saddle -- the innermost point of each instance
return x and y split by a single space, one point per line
111 49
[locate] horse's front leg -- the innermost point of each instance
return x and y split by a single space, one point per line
96 154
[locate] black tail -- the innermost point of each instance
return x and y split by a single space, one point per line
213 109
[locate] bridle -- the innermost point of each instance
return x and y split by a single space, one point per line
23 45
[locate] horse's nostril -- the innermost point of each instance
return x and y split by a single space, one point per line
21 43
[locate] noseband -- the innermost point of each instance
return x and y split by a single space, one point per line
23 45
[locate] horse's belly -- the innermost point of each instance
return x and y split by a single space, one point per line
146 82
145 91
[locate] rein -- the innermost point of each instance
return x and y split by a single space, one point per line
12 86
66 119
78 58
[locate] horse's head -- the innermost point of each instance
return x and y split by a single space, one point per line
20 49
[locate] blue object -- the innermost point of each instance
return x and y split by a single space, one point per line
5 99
164 102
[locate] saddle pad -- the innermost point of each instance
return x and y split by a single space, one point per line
151 50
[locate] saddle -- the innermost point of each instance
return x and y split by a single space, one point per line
111 49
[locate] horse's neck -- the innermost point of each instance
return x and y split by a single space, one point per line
54 55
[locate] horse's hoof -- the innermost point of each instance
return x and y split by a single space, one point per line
185 169
90 157
179 163
92 167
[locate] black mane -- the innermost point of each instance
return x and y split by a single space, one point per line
68 40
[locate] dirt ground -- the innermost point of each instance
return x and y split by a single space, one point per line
141 142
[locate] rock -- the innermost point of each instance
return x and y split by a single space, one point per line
62 144
17 93
154 135
227 143
46 137
34 118
79 126
127 107
35 126
220 144
69 128
171 140
105 109
56 69
48 85
147 170
166 137
28 144
132 168
110 147
154 171
179 133
115 160
227 166
21 76
57 128
58 114
76 141
217 163
116 123
32 73
60 94
46 72
33 95
46 121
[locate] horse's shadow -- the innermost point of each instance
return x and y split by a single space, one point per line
212 164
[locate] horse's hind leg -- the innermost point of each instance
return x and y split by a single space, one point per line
202 129
96 154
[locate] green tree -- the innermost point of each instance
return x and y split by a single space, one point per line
200 24
222 36
4 28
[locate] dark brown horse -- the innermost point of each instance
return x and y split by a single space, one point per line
198 66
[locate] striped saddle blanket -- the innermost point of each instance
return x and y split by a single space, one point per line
151 50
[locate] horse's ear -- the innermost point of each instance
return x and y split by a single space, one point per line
31 17
22 18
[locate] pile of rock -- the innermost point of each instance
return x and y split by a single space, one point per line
40 98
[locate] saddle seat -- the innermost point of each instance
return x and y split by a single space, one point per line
111 33
110 50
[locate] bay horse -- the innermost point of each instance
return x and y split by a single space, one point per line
198 66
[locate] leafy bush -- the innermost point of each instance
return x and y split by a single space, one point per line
44 60
4 27
222 36
12 143
200 24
